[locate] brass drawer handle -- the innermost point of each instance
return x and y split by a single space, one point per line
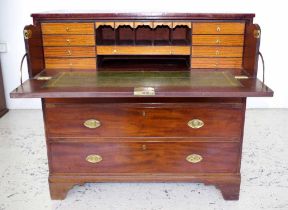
218 29
94 158
218 41
217 52
194 158
68 41
69 52
92 123
67 29
195 123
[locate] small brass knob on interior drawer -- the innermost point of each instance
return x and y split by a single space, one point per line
194 158
218 29
195 123
114 51
92 123
93 158
69 52
68 41
217 52
218 41
144 147
67 29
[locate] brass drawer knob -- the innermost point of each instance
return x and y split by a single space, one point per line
144 147
114 51
218 29
69 52
67 29
194 158
218 41
93 158
92 123
195 123
217 52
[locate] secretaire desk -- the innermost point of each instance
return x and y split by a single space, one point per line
143 97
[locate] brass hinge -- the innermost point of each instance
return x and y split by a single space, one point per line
44 78
257 34
27 33
241 77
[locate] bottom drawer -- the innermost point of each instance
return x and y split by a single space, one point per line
216 63
70 63
144 157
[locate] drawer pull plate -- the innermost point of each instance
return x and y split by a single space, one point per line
92 123
93 158
195 123
194 158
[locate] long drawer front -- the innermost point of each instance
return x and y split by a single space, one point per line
144 120
144 157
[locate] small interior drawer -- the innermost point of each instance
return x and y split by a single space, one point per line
143 50
218 28
216 63
68 40
70 63
209 51
69 51
218 40
67 28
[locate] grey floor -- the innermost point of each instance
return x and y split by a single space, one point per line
24 171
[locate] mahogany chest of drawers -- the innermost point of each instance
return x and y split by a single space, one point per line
143 97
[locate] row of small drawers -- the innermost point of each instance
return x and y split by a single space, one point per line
84 57
197 51
90 63
197 28
89 40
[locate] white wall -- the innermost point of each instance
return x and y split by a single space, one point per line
270 15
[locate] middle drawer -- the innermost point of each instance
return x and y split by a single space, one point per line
143 120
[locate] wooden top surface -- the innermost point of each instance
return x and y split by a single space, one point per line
140 15
111 84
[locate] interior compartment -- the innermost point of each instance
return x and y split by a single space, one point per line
181 35
162 35
105 35
144 35
125 35
136 62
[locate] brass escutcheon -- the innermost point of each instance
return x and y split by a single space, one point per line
27 34
194 158
93 158
195 123
257 34
92 123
